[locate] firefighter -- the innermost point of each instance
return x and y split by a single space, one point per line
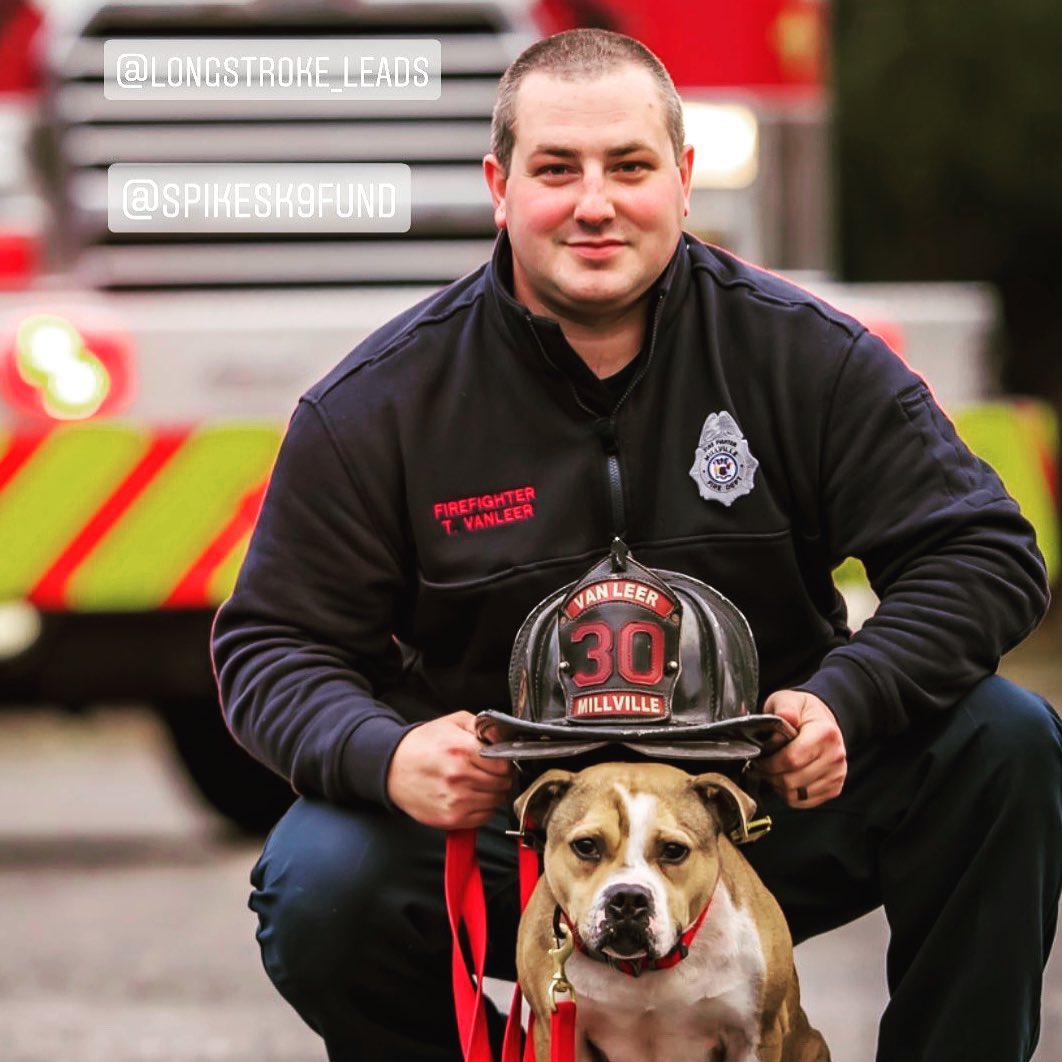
606 375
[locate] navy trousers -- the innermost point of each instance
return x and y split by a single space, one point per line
955 827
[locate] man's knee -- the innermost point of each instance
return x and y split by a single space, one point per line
332 891
1018 736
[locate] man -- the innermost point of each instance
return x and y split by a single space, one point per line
484 448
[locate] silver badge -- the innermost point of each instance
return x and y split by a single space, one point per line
723 468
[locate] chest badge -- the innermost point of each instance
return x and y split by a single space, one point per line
723 467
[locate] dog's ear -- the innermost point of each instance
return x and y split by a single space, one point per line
733 807
534 804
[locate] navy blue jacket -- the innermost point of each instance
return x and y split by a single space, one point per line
453 470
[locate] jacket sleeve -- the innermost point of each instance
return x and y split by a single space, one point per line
953 561
304 642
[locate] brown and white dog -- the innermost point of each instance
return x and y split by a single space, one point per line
634 853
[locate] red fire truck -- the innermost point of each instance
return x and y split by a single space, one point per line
145 380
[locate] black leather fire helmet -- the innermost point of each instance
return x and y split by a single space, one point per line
652 660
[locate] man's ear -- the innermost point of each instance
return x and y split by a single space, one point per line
497 181
535 804
686 174
732 806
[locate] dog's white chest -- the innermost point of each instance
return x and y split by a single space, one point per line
709 1001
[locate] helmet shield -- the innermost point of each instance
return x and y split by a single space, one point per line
655 660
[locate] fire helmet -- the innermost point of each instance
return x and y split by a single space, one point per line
652 660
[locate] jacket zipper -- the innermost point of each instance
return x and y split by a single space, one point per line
605 427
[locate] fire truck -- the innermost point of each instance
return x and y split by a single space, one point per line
146 379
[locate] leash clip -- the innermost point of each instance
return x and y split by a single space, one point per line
751 831
563 945
528 834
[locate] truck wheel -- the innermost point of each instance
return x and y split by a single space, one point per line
249 795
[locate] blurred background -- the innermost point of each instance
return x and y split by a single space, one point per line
901 159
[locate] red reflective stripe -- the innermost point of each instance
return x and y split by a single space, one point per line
191 588
1048 468
22 448
50 591
19 253
1050 472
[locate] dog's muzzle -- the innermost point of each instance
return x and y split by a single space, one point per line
627 910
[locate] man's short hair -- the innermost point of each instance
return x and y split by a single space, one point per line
580 55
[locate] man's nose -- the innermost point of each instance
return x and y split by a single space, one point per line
595 205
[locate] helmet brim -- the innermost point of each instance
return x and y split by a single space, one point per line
744 737
657 750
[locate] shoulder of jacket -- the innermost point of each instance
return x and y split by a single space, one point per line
422 325
735 278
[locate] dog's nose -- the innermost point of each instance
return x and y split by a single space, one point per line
630 904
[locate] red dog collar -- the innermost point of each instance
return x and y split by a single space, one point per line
636 967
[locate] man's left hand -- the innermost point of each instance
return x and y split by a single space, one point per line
812 768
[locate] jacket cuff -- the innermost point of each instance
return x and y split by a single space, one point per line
367 757
853 697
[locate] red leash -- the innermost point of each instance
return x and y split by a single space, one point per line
562 1033
465 905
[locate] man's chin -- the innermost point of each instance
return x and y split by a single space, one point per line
599 297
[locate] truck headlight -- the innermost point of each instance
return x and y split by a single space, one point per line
20 627
725 141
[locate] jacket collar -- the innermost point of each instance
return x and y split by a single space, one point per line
674 282
542 338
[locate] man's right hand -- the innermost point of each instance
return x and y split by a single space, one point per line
438 777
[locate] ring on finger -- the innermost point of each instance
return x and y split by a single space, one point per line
802 792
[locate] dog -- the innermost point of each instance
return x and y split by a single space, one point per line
634 853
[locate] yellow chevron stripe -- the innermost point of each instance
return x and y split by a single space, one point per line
179 513
224 579
56 493
1011 438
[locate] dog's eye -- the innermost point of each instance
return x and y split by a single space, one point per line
673 852
586 848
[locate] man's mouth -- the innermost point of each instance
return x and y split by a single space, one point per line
596 248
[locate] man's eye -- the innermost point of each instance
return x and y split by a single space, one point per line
632 167
673 852
556 170
586 848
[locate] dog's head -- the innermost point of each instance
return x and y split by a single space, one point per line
631 850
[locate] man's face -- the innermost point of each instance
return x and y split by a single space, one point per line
594 199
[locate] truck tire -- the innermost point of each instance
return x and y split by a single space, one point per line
236 785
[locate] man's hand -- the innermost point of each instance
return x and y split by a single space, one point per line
438 777
811 769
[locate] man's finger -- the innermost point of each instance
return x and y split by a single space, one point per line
799 754
488 783
812 787
493 765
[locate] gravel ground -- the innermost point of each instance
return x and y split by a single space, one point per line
126 938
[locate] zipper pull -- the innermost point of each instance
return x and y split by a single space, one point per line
605 430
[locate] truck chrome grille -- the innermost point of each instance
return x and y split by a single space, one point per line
442 141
